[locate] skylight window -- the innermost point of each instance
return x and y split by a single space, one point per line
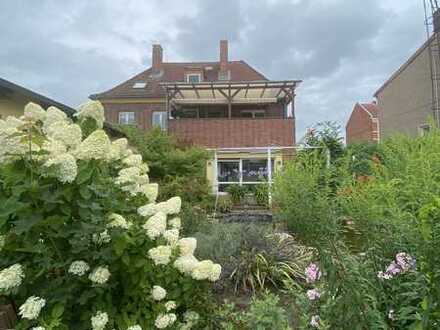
140 84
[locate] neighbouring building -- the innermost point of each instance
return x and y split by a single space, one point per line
13 98
405 99
363 124
247 120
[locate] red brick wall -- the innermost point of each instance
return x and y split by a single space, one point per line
361 127
143 112
232 133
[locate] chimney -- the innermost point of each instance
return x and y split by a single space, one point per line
223 55
157 57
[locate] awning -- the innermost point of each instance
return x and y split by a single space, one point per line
222 92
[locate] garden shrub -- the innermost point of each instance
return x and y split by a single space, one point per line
178 169
83 242
302 194
362 228
264 313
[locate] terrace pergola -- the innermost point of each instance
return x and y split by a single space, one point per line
229 93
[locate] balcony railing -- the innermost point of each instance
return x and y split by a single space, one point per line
231 133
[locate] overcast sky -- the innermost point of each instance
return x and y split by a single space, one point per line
343 50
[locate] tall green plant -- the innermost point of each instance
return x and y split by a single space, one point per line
392 213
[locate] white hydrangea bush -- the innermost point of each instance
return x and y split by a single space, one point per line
83 242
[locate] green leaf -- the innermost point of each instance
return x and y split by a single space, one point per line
84 174
126 259
11 206
24 224
120 245
57 311
85 192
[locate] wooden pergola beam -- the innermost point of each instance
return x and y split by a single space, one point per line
247 89
213 92
196 91
264 89
281 90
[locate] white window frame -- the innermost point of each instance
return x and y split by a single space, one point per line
126 121
199 75
163 120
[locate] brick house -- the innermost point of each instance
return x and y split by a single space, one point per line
363 124
226 106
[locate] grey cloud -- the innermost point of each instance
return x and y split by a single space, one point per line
342 49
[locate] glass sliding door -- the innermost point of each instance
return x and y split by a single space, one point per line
242 171
228 173
254 170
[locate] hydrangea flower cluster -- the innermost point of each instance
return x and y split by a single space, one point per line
169 207
156 227
101 238
135 327
134 178
403 263
99 320
31 308
79 268
99 275
93 110
175 223
170 305
165 320
63 146
161 255
158 293
11 131
11 278
118 221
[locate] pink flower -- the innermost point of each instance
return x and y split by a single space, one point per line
405 261
312 273
313 294
393 269
314 322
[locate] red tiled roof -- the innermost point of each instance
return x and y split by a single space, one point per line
175 72
371 108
